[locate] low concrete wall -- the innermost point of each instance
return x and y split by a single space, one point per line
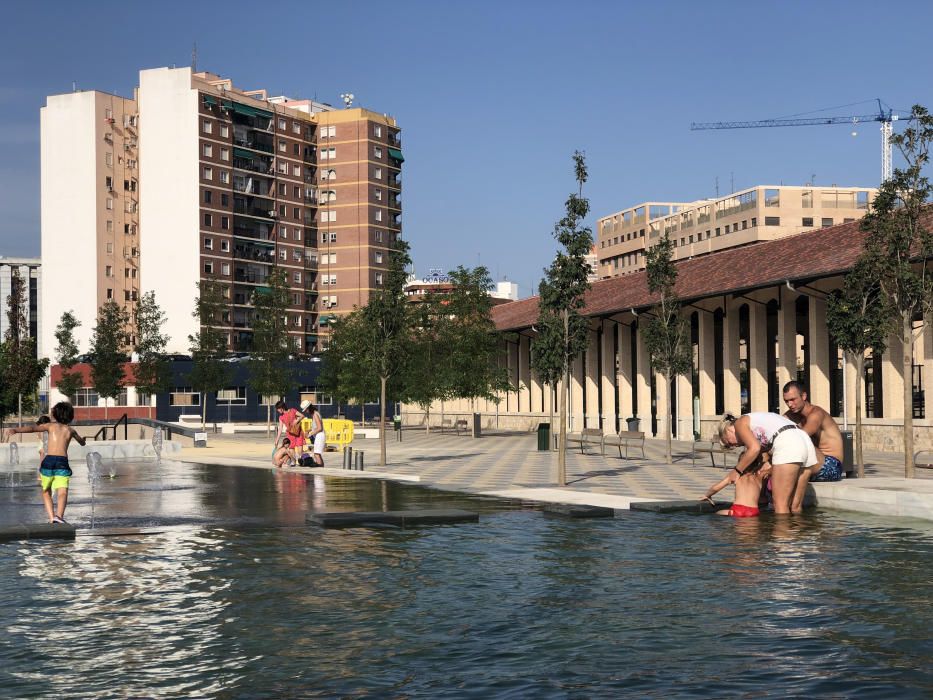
108 449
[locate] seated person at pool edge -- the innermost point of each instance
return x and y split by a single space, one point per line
747 489
791 450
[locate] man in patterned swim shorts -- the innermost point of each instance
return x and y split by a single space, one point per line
824 432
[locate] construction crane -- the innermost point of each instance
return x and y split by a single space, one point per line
885 115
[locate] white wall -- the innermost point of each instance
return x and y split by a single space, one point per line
68 153
169 192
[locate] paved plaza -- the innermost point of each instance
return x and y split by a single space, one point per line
509 464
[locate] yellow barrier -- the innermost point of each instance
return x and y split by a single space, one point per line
338 432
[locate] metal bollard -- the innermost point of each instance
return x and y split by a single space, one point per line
359 460
348 457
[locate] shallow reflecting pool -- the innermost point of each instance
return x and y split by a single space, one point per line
209 600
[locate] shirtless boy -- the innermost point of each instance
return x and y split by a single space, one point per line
55 471
824 432
748 486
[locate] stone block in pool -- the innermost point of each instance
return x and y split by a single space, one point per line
397 518
697 506
577 511
39 531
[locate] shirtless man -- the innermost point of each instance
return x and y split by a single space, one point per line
824 432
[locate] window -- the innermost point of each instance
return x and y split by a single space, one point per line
328 132
206 126
283 254
377 193
208 244
225 245
329 174
225 177
296 256
379 215
296 170
110 294
806 199
224 222
807 221
224 131
772 198
378 257
377 152
209 268
184 396
296 128
296 213
377 236
283 125
296 149
296 192
283 146
283 210
754 223
283 167
109 226
377 131
208 220
296 278
86 397
110 247
826 222
283 189
109 271
232 396
108 159
333 237
207 196
283 232
329 258
377 173
379 278
297 234
224 200
208 150
208 173
772 221
225 154
717 232
744 224
109 202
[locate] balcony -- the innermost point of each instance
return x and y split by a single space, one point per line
252 185
255 140
250 276
262 255
256 230
254 206
245 160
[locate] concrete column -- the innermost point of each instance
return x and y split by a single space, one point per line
758 355
535 389
787 338
607 378
684 415
662 394
626 375
893 378
591 377
819 353
925 350
730 359
575 402
524 375
643 382
707 366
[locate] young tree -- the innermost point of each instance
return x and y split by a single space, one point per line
858 318
67 355
667 333
269 373
427 374
153 371
108 351
899 245
21 370
209 370
561 330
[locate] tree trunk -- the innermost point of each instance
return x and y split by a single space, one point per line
859 362
382 416
550 416
268 420
562 434
908 366
203 411
19 398
427 419
670 415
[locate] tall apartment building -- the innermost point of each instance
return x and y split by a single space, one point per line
232 184
89 208
759 213
29 271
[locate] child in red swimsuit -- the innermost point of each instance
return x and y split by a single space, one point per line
747 490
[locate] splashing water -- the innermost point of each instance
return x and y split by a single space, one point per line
157 444
14 454
93 476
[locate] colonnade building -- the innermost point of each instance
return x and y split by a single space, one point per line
761 213
758 319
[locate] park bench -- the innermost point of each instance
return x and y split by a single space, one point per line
712 448
923 459
446 424
588 436
626 438
461 424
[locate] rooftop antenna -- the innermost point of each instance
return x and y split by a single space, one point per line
194 57
717 185
347 98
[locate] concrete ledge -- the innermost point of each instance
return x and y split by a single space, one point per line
571 511
39 531
568 497
679 506
399 518
907 498
108 449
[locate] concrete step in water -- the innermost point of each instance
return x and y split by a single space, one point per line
398 518
579 511
678 506
38 531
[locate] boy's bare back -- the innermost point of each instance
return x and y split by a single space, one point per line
60 436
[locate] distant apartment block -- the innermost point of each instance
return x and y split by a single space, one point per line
28 270
196 179
759 213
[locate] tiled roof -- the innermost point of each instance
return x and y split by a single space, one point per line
805 256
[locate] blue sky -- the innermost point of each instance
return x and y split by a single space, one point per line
494 97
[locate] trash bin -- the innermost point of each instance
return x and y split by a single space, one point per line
397 423
544 437
633 424
848 454
477 424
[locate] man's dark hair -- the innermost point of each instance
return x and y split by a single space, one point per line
794 384
281 404
63 412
